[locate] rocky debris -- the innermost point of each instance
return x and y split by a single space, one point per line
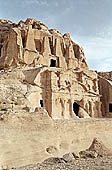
96 149
88 154
52 150
96 157
83 114
76 155
69 157
54 160
104 163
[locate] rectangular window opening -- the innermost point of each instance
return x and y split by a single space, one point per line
23 42
53 63
0 49
41 103
57 61
110 107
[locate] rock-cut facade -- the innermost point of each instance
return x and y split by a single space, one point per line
53 66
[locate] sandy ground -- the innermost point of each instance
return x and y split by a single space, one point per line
28 139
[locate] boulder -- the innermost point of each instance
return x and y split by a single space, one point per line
68 157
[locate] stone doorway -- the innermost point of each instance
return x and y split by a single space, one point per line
41 103
110 107
76 108
0 49
53 63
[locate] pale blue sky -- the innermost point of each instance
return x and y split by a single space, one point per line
88 21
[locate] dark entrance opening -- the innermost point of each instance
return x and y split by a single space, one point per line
0 49
53 63
41 103
110 107
23 42
76 108
57 61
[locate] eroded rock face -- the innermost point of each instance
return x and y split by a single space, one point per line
61 93
106 75
5 26
31 43
97 149
53 72
105 88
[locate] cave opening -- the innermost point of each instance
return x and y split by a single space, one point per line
76 108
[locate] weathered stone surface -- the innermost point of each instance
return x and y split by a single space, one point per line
54 72
106 75
88 154
45 80
26 42
68 157
81 164
54 160
105 89
52 150
96 149
25 137
59 92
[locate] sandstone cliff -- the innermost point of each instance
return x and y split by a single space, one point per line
106 75
52 69
31 43
105 89
45 88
